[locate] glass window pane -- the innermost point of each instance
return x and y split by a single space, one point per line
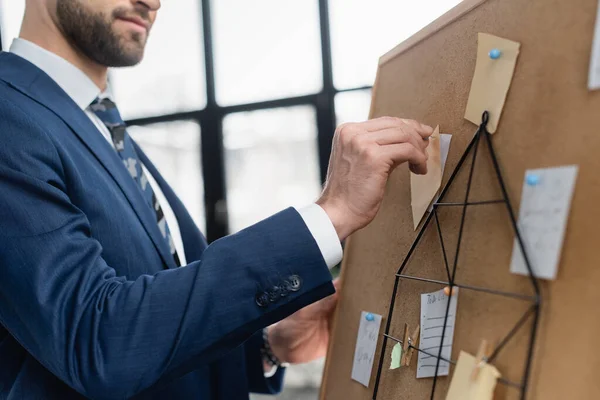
362 31
352 106
271 162
11 16
174 149
171 77
266 49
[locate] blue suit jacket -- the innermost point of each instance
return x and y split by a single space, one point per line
91 303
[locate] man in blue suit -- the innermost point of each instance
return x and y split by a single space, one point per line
107 288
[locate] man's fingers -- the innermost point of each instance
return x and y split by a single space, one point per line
406 152
337 284
398 135
381 123
424 130
418 169
328 304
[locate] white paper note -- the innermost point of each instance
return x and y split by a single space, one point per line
594 79
433 311
444 150
366 344
543 219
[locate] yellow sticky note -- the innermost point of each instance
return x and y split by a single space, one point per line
396 356
481 388
492 79
423 188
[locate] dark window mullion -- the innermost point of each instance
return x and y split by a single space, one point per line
211 123
326 119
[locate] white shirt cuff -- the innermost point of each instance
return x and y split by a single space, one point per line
321 228
271 373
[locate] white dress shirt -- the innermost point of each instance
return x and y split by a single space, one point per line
84 91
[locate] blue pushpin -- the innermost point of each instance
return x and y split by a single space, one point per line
532 179
369 317
495 54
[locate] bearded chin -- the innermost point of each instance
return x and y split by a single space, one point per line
92 34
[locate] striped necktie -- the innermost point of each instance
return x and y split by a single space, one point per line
106 110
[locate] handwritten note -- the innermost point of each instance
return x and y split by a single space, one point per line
594 78
433 311
366 343
465 388
545 205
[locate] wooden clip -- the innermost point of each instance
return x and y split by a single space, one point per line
408 345
481 359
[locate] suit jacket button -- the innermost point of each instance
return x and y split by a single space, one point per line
262 299
284 291
274 294
294 283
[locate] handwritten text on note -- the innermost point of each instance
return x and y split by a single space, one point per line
366 344
545 205
433 314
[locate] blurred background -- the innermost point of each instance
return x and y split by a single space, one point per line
236 102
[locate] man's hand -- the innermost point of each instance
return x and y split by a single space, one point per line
363 156
304 336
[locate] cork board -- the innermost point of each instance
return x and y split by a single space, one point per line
550 119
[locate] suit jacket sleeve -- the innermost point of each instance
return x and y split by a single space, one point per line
255 370
109 337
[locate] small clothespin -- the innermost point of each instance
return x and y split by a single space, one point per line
481 359
408 345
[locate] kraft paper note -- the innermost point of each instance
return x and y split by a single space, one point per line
492 79
463 387
423 188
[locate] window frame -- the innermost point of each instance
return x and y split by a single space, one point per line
210 119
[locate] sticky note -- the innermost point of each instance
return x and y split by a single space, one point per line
463 387
594 78
543 219
366 344
444 151
396 356
433 311
492 79
423 188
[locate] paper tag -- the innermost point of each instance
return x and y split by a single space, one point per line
463 387
433 311
396 356
545 205
492 79
423 188
594 78
366 344
444 151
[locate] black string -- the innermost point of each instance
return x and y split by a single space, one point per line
535 299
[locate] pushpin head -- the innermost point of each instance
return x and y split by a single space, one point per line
369 317
495 54
532 179
447 291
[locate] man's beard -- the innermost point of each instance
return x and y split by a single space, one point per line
91 34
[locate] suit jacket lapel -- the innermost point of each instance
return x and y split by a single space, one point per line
194 241
34 83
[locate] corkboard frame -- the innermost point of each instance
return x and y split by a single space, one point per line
550 119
